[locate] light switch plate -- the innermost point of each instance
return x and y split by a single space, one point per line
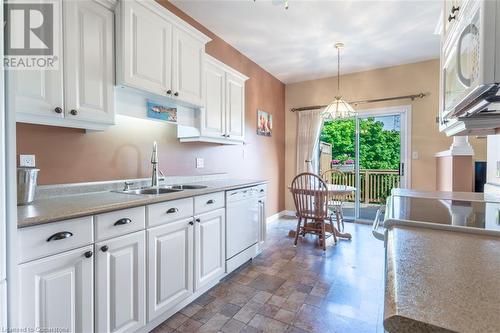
27 161
200 163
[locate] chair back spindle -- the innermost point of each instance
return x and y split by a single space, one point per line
310 195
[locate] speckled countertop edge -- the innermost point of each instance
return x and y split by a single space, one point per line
431 280
78 205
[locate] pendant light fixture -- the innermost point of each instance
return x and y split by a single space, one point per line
338 108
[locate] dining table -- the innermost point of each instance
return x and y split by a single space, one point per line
336 192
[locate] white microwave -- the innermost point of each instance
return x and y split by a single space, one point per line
471 62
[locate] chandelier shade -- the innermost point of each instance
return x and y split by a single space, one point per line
338 108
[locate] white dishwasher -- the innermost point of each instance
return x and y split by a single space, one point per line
243 216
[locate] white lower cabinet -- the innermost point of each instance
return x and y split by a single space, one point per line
210 247
120 283
56 292
170 265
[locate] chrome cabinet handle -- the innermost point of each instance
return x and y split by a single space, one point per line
123 221
58 110
191 222
172 210
59 236
104 248
211 201
88 254
198 220
376 223
169 92
176 94
73 112
455 9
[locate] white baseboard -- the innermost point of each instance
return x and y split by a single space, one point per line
276 216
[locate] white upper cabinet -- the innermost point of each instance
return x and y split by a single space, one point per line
58 291
235 107
188 66
146 49
222 119
120 283
38 94
89 65
213 120
159 53
80 92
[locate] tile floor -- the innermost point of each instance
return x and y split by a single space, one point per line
293 290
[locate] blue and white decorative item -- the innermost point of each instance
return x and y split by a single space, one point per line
166 112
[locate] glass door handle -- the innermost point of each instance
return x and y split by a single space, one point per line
401 169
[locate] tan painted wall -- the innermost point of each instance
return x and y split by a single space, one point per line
393 81
70 155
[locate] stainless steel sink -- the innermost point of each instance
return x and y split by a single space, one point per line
189 187
152 191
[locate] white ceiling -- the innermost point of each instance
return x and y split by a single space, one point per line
297 44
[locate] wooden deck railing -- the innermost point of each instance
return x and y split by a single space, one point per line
375 184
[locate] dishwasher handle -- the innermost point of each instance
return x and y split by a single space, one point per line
376 223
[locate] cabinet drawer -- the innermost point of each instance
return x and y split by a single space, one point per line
208 202
119 222
44 240
169 211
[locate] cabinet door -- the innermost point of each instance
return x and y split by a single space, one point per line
210 245
170 265
38 94
57 291
120 283
235 107
188 64
146 49
213 115
89 61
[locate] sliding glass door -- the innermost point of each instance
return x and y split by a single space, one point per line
371 151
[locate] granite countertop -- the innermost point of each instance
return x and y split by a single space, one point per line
77 205
465 196
441 281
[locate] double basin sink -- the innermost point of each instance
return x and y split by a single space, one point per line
163 189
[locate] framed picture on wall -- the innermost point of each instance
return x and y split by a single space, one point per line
162 111
264 123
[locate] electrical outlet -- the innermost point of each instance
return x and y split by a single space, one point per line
27 161
200 163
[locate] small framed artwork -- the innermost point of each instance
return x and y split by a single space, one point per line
264 123
163 112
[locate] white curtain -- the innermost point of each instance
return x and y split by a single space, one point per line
308 130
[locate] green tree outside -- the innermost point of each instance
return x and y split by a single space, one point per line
379 148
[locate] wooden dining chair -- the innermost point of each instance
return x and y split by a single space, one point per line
310 196
336 177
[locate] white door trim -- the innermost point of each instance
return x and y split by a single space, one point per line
405 112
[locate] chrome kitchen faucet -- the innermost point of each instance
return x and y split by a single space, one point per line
154 163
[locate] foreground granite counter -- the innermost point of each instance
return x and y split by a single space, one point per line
63 207
441 281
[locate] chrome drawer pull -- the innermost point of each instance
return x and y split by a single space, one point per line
172 210
59 236
123 221
211 201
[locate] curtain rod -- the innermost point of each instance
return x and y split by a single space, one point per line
315 107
